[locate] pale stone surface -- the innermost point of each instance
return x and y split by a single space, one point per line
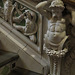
26 61
7 44
12 43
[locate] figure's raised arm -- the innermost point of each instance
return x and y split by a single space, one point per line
41 8
41 4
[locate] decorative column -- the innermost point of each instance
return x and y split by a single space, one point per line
55 37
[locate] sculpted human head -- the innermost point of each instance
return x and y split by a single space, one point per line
56 7
30 15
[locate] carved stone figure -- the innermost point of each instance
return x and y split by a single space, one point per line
14 14
30 27
7 9
56 34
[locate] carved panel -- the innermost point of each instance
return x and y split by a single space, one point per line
24 19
